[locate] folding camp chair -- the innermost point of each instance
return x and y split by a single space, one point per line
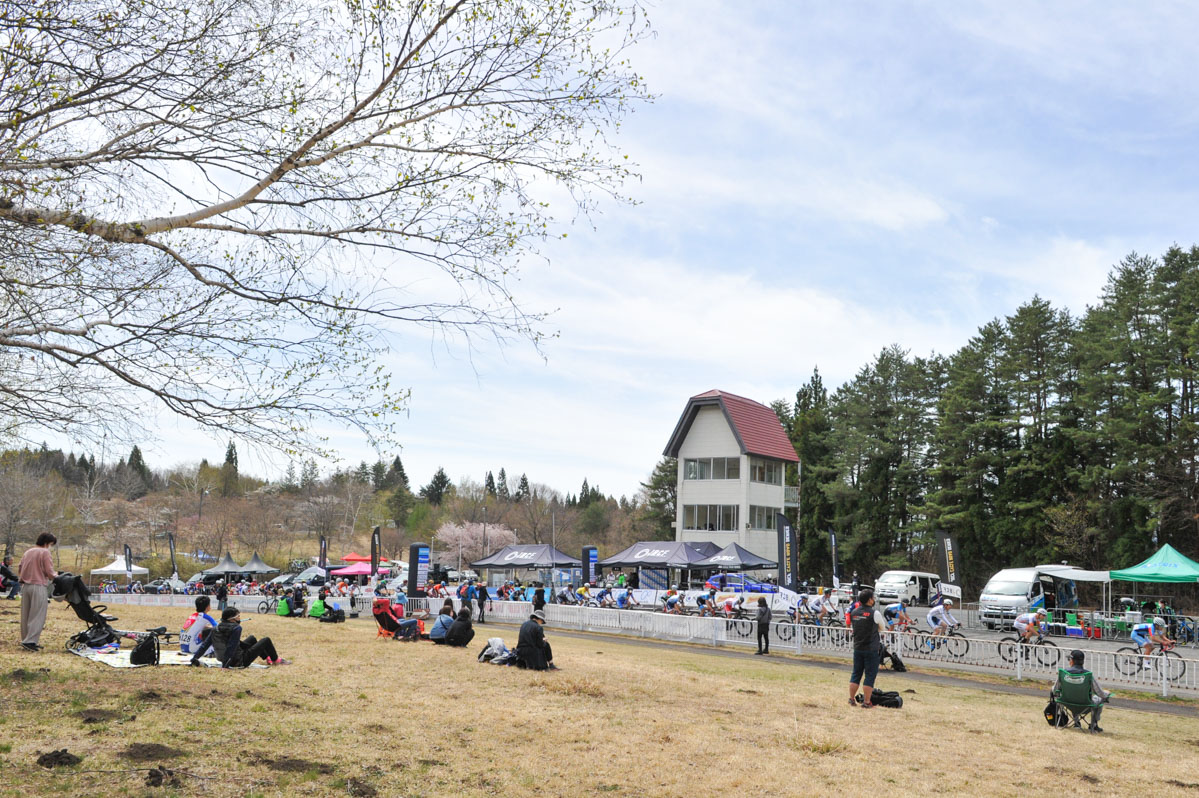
1074 694
388 623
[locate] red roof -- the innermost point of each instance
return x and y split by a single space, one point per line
755 425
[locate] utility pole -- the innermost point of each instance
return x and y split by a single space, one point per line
486 552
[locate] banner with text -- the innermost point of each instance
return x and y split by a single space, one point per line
590 564
949 565
322 560
832 542
171 543
418 568
128 563
375 551
787 551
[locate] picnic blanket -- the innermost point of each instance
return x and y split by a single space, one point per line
119 658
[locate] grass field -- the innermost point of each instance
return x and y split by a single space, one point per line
358 716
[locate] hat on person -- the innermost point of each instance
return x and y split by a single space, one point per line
1077 657
538 615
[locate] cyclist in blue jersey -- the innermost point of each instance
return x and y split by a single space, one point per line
605 598
1147 635
674 603
896 613
626 600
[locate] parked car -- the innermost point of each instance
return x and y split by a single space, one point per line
913 588
166 586
739 583
452 575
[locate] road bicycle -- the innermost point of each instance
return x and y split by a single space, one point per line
953 642
1045 651
1130 660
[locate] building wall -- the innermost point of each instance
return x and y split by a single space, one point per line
711 436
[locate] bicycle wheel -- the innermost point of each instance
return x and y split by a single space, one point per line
739 628
785 631
1009 649
264 607
923 643
956 644
909 642
1048 653
810 633
1172 662
1128 660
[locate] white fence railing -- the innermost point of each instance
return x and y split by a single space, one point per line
1111 668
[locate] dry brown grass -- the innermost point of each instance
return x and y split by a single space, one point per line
360 716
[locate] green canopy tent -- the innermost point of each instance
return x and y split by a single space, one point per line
1166 565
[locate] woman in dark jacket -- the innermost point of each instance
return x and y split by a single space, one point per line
763 626
461 631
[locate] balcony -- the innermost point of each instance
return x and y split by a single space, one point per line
791 497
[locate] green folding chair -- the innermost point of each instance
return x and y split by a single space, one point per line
1074 694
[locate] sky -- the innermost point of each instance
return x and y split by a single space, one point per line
818 181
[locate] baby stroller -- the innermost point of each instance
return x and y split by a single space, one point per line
99 633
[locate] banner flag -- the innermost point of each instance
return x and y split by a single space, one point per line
948 564
128 562
323 559
171 543
788 556
832 542
375 551
418 569
590 564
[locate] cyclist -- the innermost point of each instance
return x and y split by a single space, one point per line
896 613
673 601
706 603
584 594
1147 635
734 606
939 619
626 600
803 609
823 605
605 598
1029 624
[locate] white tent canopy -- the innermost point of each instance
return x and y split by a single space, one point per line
1076 574
117 568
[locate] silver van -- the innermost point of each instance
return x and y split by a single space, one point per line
1014 591
911 587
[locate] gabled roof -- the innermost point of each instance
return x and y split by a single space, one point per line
755 426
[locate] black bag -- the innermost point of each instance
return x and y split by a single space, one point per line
897 664
886 698
145 652
334 616
1054 715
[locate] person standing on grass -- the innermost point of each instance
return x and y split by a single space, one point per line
867 623
222 595
763 626
482 596
34 573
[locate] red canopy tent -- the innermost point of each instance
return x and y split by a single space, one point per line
354 556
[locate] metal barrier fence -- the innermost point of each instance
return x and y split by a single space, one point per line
1111 668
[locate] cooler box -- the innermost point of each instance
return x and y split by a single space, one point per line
1075 631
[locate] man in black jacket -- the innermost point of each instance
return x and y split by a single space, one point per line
222 595
232 651
539 599
532 649
482 597
867 623
461 631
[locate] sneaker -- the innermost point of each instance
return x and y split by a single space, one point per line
1096 730
552 667
31 647
279 661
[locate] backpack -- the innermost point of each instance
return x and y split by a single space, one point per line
896 663
145 652
887 698
1054 715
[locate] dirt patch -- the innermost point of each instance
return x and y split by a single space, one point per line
98 715
150 752
149 695
23 675
746 690
159 777
290 765
378 728
1088 778
360 788
909 691
58 759
1189 785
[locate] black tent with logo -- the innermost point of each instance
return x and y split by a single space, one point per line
528 555
658 554
734 558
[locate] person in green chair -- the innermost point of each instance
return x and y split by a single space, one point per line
317 608
1078 691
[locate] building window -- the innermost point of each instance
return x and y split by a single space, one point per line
710 517
767 471
712 468
762 517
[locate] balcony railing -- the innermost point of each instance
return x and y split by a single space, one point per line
791 497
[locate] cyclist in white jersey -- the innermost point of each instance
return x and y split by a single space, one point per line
1029 623
939 619
1148 634
824 605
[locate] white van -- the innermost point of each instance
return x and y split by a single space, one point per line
1014 591
913 588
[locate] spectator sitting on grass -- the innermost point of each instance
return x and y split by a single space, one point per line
195 628
441 626
317 608
461 631
532 649
233 652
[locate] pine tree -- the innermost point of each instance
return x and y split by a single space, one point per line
290 482
661 496
501 487
309 476
522 489
435 492
379 476
584 494
489 485
230 482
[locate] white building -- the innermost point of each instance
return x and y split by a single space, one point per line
732 455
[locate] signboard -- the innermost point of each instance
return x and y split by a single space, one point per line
590 564
832 541
788 556
322 560
418 569
171 543
375 551
128 563
949 563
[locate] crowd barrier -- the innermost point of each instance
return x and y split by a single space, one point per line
1111 668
